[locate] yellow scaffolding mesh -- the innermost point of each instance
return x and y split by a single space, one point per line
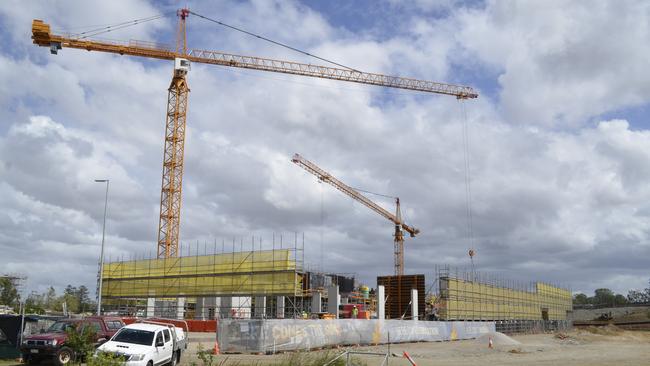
266 272
468 300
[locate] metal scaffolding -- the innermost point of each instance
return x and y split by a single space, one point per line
462 295
208 281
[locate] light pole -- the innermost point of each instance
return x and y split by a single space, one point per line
101 256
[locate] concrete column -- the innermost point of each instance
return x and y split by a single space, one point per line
151 307
414 304
226 307
333 301
200 308
217 307
381 302
260 307
279 307
316 302
180 308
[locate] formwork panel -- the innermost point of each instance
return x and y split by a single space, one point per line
398 293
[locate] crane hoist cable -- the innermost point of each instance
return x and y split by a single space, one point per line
468 184
271 41
111 28
382 195
105 28
97 27
322 225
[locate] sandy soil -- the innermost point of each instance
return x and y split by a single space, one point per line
592 347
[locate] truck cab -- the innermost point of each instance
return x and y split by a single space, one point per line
147 344
51 344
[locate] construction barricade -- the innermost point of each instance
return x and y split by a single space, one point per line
272 335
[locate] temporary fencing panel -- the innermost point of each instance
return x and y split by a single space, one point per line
270 335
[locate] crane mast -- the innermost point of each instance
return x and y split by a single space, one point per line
173 153
326 177
172 176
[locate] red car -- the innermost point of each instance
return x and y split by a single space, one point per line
52 343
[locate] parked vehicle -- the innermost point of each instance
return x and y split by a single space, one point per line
51 344
147 343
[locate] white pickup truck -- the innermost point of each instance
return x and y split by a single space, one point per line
147 344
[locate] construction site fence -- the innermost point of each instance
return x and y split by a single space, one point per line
532 326
273 335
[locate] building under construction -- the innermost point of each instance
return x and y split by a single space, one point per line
227 283
464 295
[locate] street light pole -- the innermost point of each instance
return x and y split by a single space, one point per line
101 256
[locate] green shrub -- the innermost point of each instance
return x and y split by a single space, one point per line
82 342
103 359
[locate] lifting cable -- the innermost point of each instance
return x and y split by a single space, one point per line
322 224
376 194
116 26
386 196
271 41
468 184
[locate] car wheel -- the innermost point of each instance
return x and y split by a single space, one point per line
64 356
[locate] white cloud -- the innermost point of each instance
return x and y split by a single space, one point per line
562 62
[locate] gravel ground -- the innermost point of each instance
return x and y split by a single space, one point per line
592 347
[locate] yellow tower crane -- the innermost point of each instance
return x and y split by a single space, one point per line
172 177
396 219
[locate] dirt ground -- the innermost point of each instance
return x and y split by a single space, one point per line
592 347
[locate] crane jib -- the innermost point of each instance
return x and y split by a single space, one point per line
42 36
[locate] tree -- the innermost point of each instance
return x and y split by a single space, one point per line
71 298
620 300
603 296
34 304
49 298
82 297
580 299
9 290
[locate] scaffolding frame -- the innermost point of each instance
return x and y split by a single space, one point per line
242 272
469 295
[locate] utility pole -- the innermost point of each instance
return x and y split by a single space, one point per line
101 256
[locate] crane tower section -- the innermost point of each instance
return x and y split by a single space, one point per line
173 154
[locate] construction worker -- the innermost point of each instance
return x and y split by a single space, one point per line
355 312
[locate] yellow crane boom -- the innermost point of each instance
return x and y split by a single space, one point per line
43 37
396 219
172 177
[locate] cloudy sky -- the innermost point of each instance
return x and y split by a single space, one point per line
558 141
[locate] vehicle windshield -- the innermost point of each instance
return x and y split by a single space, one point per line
136 336
60 327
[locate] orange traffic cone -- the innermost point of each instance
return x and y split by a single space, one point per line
215 351
409 358
490 342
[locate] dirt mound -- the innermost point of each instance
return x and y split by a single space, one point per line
498 339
